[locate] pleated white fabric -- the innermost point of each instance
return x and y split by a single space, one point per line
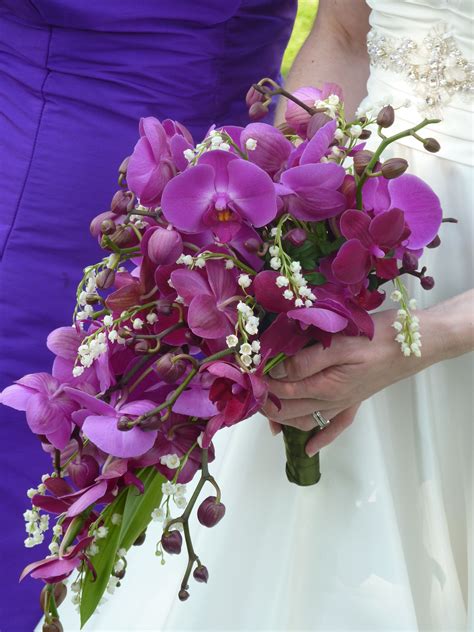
384 541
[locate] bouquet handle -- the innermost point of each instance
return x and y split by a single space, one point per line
301 469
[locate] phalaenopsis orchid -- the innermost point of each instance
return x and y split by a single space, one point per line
222 258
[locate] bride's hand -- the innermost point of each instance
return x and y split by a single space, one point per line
336 380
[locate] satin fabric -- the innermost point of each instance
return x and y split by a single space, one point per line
75 77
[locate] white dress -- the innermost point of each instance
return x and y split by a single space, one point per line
384 541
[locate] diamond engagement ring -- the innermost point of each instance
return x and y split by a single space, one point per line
320 419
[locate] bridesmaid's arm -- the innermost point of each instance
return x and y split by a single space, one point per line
335 51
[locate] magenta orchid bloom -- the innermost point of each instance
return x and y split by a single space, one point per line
48 407
98 421
237 395
272 149
54 569
368 241
211 312
220 193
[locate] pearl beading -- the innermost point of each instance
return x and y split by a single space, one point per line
435 66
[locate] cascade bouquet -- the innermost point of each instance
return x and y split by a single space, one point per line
223 258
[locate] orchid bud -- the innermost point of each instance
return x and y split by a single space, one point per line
252 245
124 166
201 574
431 145
168 370
123 424
386 116
105 279
427 282
163 246
141 346
210 512
315 123
365 134
435 243
349 190
258 111
163 306
59 591
297 236
54 626
119 574
253 96
108 226
124 236
120 201
361 160
409 261
183 595
141 539
84 472
96 223
172 542
151 423
393 168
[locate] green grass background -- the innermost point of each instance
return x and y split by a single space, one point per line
304 21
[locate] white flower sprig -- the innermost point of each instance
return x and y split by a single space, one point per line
406 324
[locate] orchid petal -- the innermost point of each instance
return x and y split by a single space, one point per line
352 262
204 319
103 432
322 318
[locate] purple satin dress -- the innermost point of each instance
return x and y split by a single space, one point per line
75 77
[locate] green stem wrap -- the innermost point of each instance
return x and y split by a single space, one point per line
300 468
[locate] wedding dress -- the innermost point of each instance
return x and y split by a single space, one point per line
384 541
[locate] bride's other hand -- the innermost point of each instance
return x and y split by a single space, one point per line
336 380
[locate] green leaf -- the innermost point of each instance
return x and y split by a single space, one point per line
315 278
138 507
330 246
103 562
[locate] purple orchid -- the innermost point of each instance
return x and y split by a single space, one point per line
162 245
48 407
98 421
54 569
368 242
272 149
221 192
210 298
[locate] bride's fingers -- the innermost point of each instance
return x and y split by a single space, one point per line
338 424
292 408
275 427
307 422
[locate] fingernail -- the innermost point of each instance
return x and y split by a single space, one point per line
312 452
274 428
278 371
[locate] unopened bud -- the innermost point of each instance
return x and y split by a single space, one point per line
183 595
124 165
435 243
120 201
108 226
252 245
201 574
54 626
297 236
123 236
393 168
427 282
163 306
141 346
386 116
123 424
431 145
409 261
92 299
169 370
315 123
172 542
210 512
361 160
257 111
59 591
151 423
253 96
84 472
141 539
105 279
119 574
365 134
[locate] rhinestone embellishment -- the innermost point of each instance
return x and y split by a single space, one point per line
434 66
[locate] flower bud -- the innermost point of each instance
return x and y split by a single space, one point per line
163 246
96 223
386 116
59 591
119 574
315 123
361 160
297 236
124 236
427 282
120 201
141 346
253 96
431 145
201 574
105 279
210 512
151 423
168 370
124 165
435 243
172 542
163 306
252 245
409 261
84 472
141 539
123 424
54 626
108 226
183 595
393 168
365 134
258 111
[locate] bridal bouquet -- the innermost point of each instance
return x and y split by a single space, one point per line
223 258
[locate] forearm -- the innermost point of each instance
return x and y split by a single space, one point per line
451 326
335 52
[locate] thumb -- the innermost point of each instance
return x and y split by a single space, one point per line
305 363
